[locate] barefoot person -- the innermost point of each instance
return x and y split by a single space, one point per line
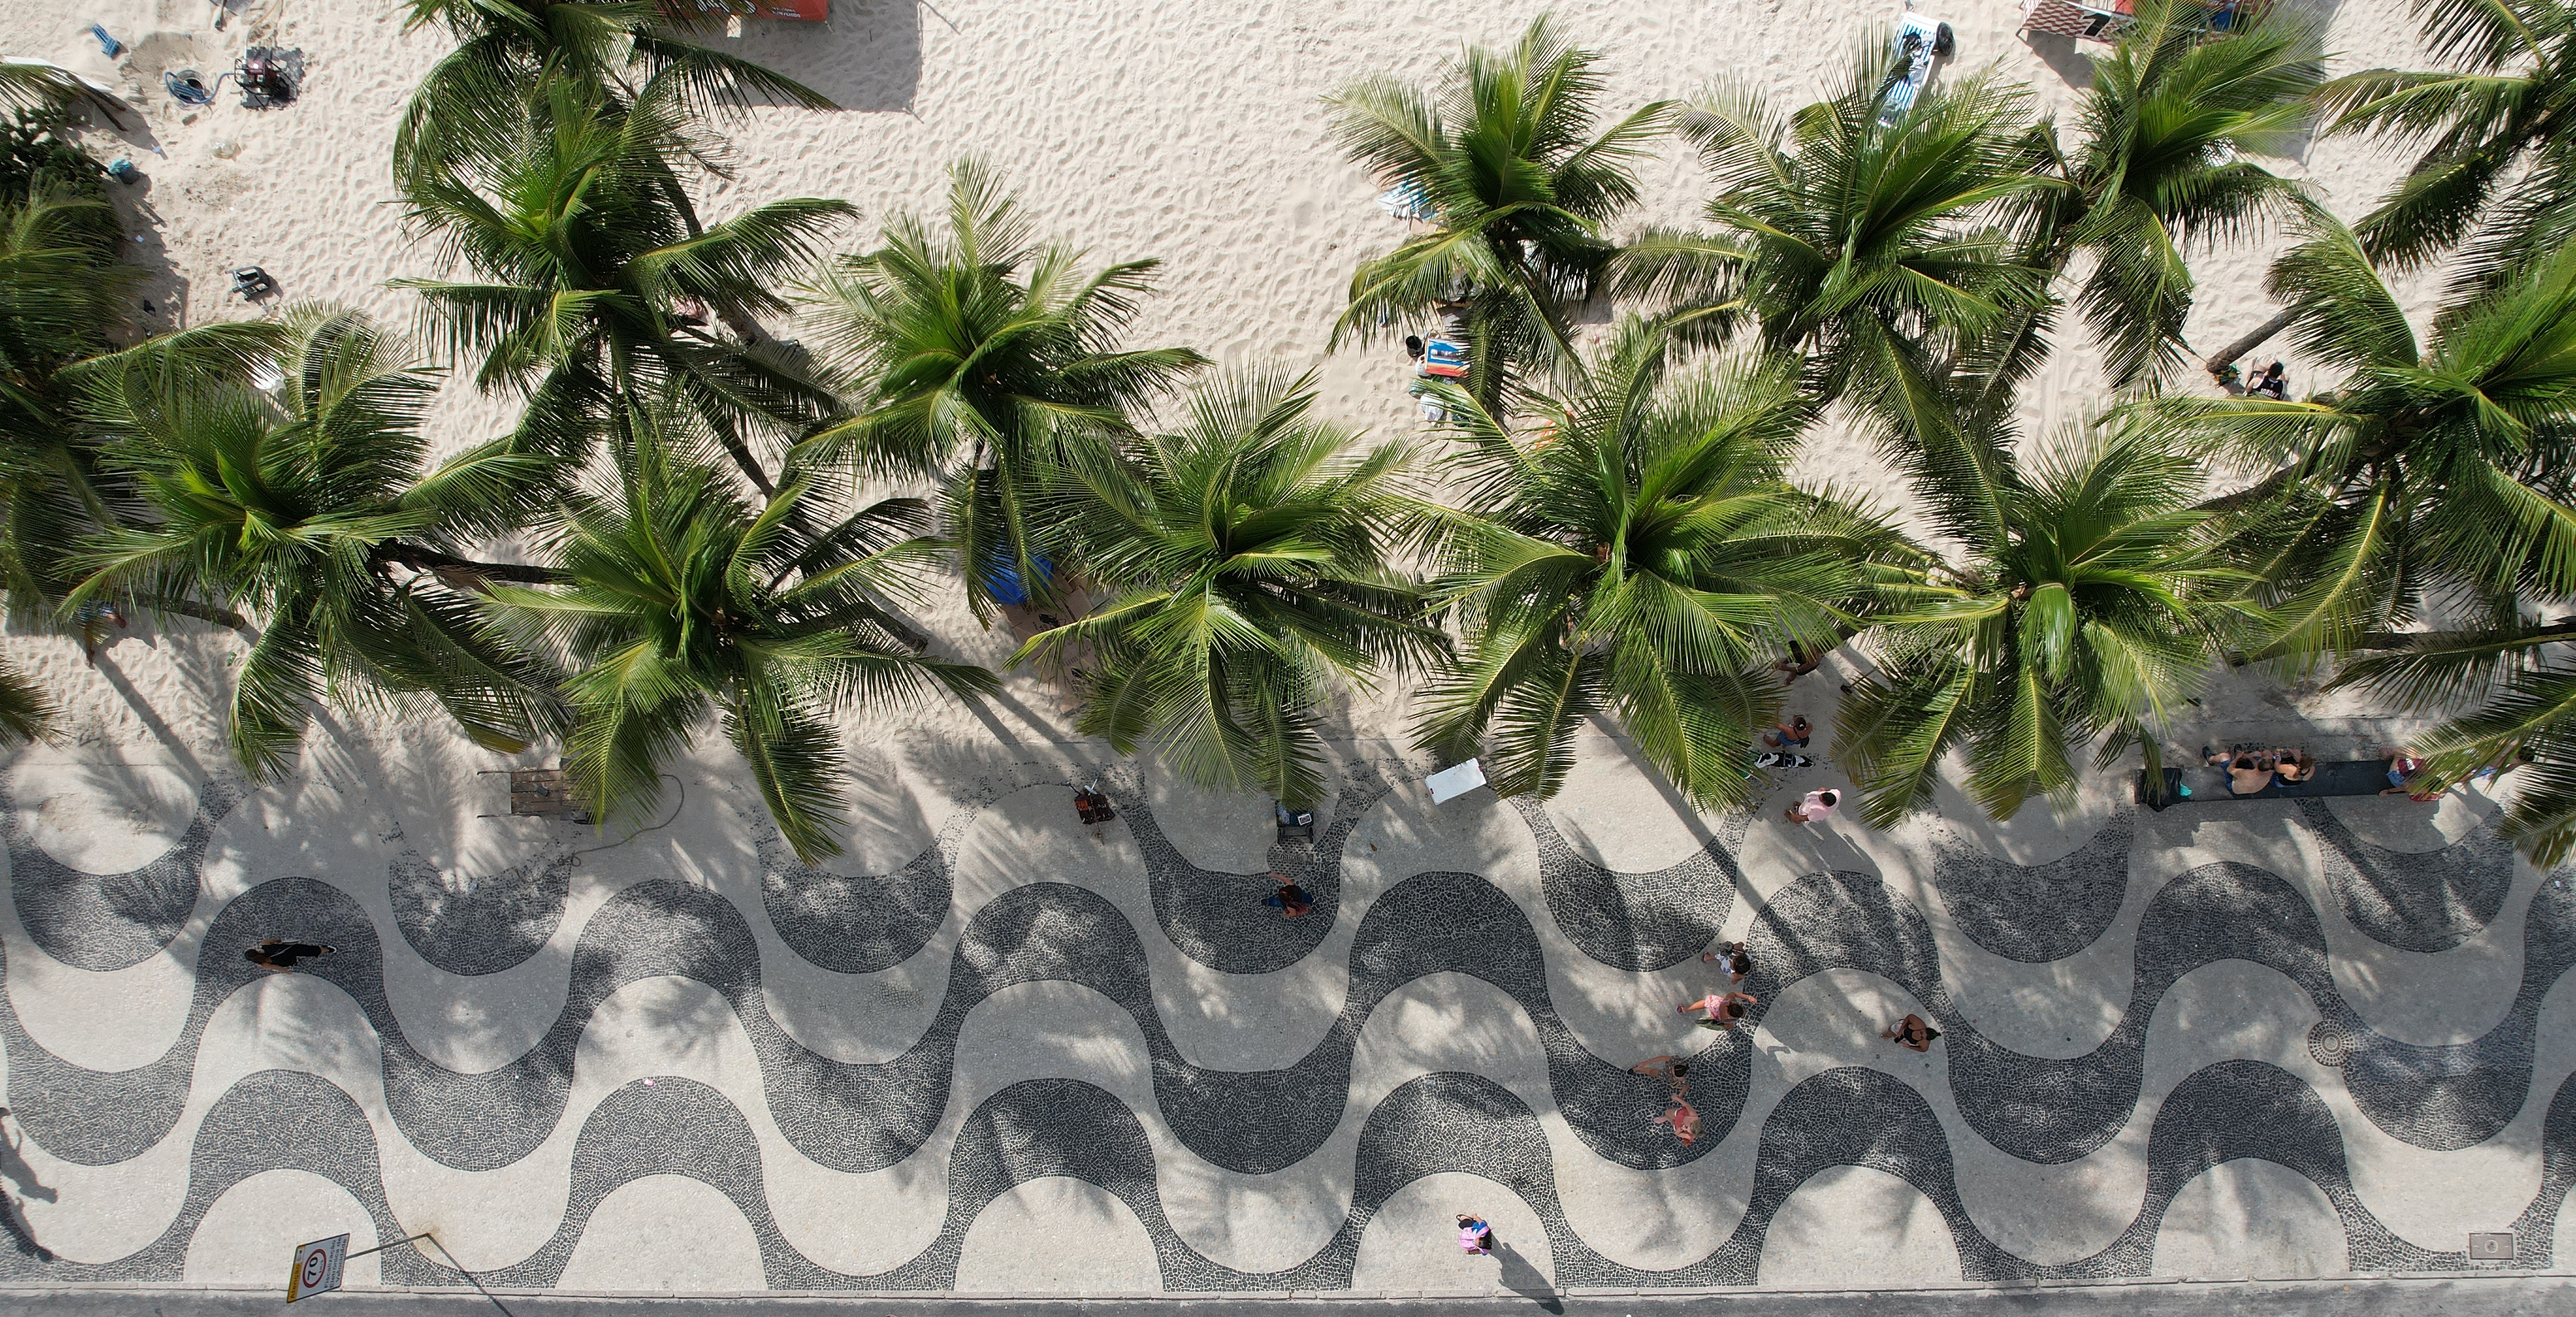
1474 1236
1912 1031
278 956
1792 733
1671 1069
1684 1118
1739 962
1720 1009
1817 805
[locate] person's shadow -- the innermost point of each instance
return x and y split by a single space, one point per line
1524 1280
14 1167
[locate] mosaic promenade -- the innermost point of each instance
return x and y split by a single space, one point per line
1022 1054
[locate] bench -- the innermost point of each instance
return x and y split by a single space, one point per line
2349 777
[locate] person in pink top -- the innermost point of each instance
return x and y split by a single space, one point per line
1683 1118
1722 1009
1474 1236
1818 804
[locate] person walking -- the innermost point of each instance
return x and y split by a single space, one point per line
1683 1117
1912 1031
1474 1236
1817 805
1673 1070
1721 1010
1291 901
278 956
1739 962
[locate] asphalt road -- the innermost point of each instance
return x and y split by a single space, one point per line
2500 1296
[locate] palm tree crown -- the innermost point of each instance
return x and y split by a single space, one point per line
1639 555
2501 160
314 505
587 247
992 359
477 98
1521 188
1247 551
679 595
2159 171
2091 598
2441 468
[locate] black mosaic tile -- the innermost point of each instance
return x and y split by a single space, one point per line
2033 912
1636 921
108 921
2419 902
477 924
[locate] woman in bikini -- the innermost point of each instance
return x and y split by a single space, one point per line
1912 1031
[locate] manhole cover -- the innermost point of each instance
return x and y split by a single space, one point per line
2329 1044
2495 1247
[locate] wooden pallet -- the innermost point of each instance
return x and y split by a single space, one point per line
543 793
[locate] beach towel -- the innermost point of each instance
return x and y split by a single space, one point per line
1444 359
1407 201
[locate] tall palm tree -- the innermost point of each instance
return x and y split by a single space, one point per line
1847 231
64 286
2088 598
587 248
1247 553
2434 469
2522 675
314 506
2158 171
679 596
2500 165
477 98
987 358
1639 555
1521 187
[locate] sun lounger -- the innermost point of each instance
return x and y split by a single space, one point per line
2208 784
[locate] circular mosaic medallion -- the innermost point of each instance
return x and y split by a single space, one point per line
2329 1044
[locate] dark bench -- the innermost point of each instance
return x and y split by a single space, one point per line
2349 777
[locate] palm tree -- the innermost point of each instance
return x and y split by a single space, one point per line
63 290
2158 172
2525 676
477 98
2435 470
990 360
1639 555
588 250
678 596
2500 165
2088 598
1849 232
313 505
1521 187
1247 553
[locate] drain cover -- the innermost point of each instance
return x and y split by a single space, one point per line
2495 1247
2329 1044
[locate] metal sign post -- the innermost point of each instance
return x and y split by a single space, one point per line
317 1266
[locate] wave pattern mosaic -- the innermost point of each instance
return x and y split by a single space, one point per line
1174 1123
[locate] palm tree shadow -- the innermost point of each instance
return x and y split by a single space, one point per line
1525 1280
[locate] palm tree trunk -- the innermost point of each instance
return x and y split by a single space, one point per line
2254 338
191 608
446 566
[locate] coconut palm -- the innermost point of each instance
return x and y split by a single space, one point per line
1246 556
2157 172
2088 598
2435 470
587 250
1639 555
2522 675
1869 240
991 360
679 596
64 287
27 713
1521 188
477 98
2500 163
314 506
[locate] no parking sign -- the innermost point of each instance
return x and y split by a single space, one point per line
317 1268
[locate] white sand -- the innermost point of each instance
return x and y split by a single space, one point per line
1192 132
